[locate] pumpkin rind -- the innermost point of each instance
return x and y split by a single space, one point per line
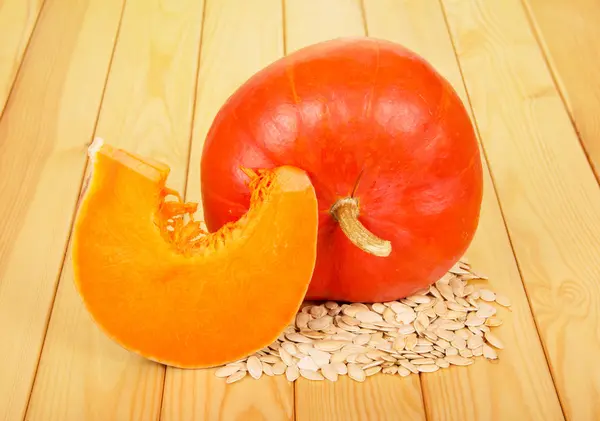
177 301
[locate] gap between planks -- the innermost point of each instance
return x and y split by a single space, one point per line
560 87
502 212
11 77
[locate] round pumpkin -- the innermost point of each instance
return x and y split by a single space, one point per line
389 147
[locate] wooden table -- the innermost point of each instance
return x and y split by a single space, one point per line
149 76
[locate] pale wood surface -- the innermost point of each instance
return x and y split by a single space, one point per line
46 126
17 20
174 65
547 190
147 109
574 57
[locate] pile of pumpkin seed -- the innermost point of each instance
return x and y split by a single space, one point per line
449 323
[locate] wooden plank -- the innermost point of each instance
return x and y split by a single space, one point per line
549 196
312 21
200 395
380 397
147 109
239 38
17 20
569 32
522 376
47 123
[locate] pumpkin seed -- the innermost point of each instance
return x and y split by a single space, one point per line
420 361
329 346
409 366
311 375
320 323
369 316
474 320
296 337
279 368
494 340
373 364
420 299
485 311
403 371
399 343
356 373
406 330
237 376
254 367
292 373
411 342
329 372
227 371
372 370
302 320
268 370
467 353
442 363
458 360
340 368
487 295
320 358
331 305
304 348
270 359
428 368
451 351
459 343
493 322
363 359
318 311
354 308
400 308
390 370
503 300
290 348
489 352
378 308
474 342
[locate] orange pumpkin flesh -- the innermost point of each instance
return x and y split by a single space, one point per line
160 286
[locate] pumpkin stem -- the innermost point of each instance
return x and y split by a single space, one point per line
345 211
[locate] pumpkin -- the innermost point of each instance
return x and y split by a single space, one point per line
160 286
389 147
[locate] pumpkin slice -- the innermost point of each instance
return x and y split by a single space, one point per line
161 286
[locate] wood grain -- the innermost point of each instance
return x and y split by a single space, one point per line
239 38
381 397
549 196
147 109
312 21
47 123
17 20
200 395
569 32
521 376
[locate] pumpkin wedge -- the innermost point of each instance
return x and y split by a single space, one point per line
161 286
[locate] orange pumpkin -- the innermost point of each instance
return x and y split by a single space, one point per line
159 285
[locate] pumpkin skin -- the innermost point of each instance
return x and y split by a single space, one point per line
176 296
366 119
